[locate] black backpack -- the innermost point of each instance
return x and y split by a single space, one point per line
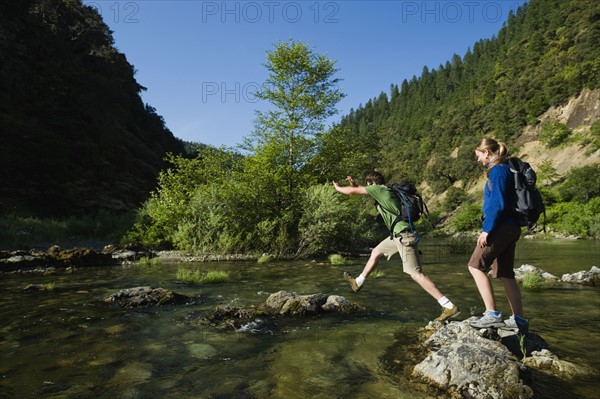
412 205
530 204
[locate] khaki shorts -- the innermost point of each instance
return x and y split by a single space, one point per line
499 254
406 244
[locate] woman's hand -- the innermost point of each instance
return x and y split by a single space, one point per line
482 240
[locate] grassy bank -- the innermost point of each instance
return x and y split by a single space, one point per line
18 232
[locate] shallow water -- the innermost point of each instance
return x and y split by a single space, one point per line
65 343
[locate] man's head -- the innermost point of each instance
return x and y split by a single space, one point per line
374 178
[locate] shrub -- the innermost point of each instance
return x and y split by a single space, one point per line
468 218
194 276
326 220
214 276
146 261
377 274
264 258
337 259
582 184
454 197
533 281
554 133
581 220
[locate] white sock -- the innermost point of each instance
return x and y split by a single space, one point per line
360 280
445 302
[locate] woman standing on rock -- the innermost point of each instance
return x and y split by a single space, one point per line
496 244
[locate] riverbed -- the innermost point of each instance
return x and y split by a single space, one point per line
66 343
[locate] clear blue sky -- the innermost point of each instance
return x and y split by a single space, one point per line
202 60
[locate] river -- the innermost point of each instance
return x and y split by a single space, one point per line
66 343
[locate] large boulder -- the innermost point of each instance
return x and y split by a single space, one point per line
465 364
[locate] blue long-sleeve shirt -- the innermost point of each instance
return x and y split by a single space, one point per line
499 197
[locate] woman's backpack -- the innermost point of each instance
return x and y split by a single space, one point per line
530 204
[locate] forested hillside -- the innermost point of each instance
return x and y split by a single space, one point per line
547 52
76 136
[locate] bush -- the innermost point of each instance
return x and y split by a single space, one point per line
195 277
582 184
454 197
554 133
533 281
468 218
577 219
264 258
330 221
337 259
595 139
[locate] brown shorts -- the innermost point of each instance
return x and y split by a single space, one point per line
499 254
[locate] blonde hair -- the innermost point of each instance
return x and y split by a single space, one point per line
496 148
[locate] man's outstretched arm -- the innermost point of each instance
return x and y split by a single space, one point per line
350 190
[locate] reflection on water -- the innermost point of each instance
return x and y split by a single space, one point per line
65 343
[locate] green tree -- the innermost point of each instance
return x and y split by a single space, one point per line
303 91
547 173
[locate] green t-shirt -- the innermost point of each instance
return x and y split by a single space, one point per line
388 206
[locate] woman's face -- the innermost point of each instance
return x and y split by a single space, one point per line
482 156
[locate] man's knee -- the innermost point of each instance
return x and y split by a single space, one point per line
376 254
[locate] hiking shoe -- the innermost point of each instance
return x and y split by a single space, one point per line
448 313
512 324
352 281
487 320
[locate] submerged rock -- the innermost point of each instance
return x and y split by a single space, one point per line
290 303
281 303
144 297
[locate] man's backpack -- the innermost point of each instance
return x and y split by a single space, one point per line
412 205
530 204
